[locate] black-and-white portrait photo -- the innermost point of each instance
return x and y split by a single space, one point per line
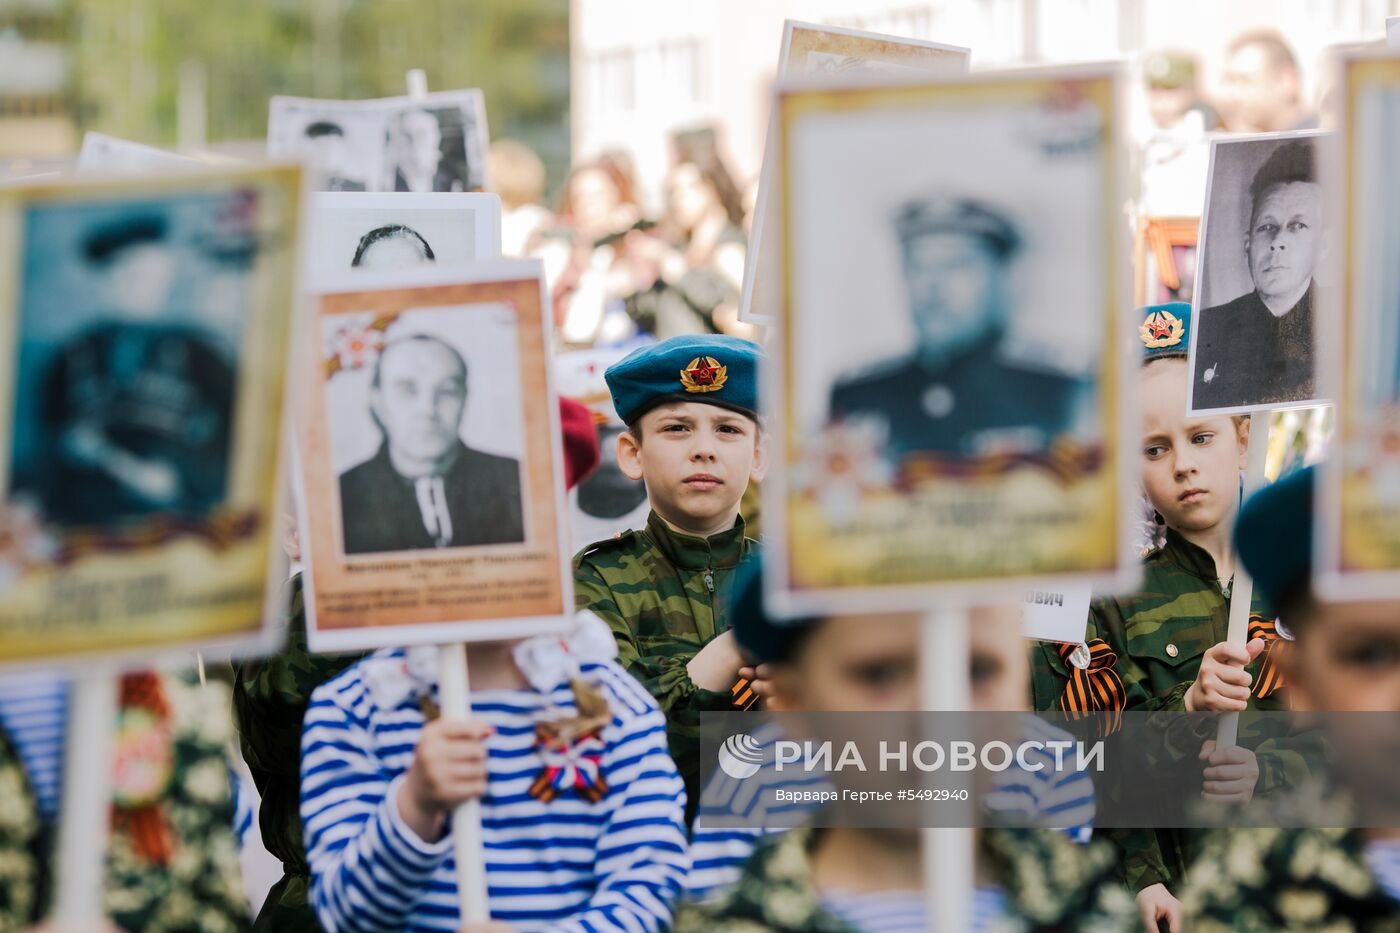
436 143
1264 239
131 318
973 341
401 231
426 433
955 391
607 501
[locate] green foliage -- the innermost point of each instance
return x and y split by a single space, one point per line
129 56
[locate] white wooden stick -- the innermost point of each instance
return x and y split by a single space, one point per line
454 700
1242 590
85 818
943 687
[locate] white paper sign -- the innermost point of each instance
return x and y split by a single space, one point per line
1058 614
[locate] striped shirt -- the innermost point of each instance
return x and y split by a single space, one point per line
1383 858
905 911
1060 798
568 865
34 712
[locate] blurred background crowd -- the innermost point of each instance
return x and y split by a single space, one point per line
629 133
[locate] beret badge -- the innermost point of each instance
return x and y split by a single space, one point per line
704 374
1160 330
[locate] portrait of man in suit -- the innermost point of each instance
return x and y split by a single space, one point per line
425 487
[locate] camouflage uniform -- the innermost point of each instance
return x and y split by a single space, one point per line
20 832
269 700
664 595
199 885
1153 643
1262 880
1051 884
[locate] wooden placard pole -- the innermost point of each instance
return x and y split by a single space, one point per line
454 702
1242 590
84 822
454 699
948 855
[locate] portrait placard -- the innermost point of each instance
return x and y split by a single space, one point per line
607 501
948 404
1358 506
808 49
147 321
436 142
399 231
1263 240
430 464
101 152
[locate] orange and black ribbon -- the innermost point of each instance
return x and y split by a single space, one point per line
1096 688
1270 677
744 694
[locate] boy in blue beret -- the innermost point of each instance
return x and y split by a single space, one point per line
1338 658
693 437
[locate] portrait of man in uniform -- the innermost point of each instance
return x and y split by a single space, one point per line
135 407
1257 349
956 393
425 487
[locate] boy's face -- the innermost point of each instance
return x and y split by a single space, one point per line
697 460
1190 465
871 664
1346 658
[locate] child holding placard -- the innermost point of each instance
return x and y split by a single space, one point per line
693 436
1345 659
850 877
581 805
1165 647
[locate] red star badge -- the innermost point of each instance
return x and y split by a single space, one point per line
1159 328
703 374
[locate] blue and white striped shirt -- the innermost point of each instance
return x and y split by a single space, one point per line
1060 798
34 711
567 865
906 911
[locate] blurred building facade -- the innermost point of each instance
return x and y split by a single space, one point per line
645 68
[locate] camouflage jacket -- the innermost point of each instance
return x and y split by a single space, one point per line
1156 639
20 835
270 696
1051 884
1262 880
198 883
665 595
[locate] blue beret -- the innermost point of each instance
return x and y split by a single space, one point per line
710 368
763 638
957 215
1165 330
1274 536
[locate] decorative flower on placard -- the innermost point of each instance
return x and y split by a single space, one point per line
845 464
24 544
354 348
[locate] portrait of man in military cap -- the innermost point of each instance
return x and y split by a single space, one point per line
956 393
127 408
425 487
1265 237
